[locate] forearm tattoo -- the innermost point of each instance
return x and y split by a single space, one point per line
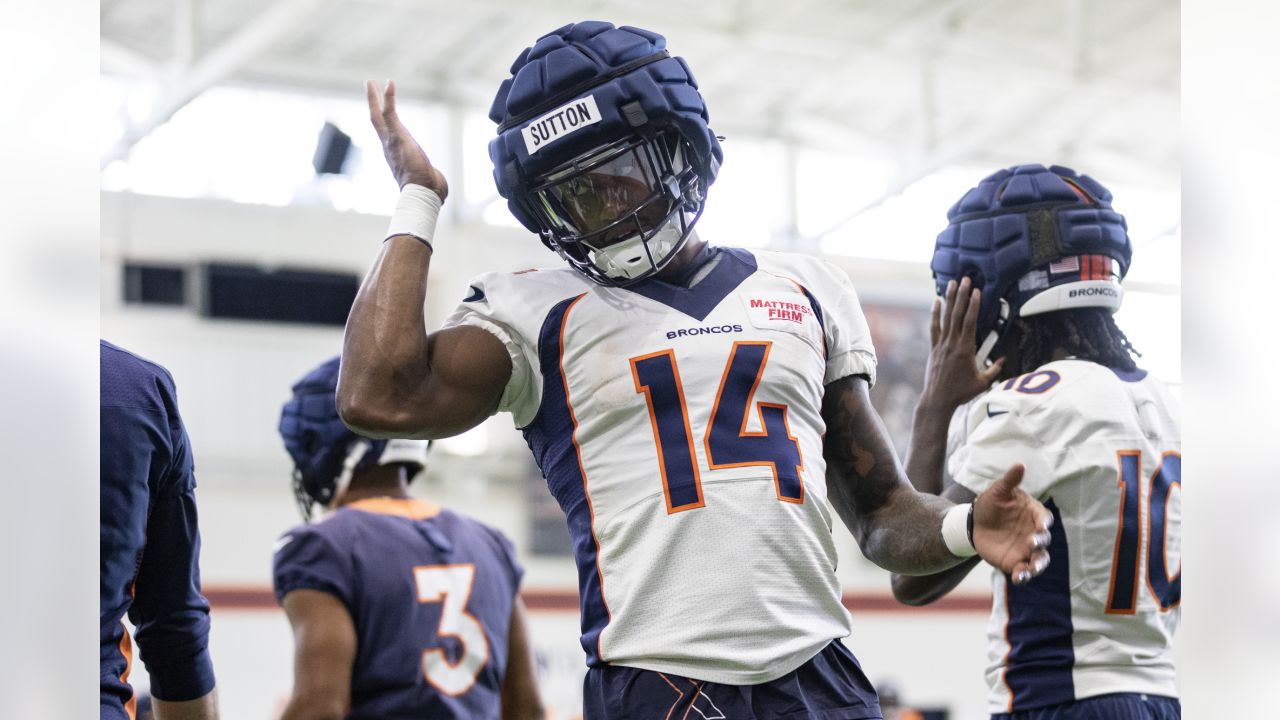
895 527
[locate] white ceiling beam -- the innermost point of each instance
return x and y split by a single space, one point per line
1093 95
215 66
950 151
116 59
186 33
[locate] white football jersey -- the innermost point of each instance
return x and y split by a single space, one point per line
1102 450
680 431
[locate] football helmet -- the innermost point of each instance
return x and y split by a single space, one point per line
1034 239
325 452
603 149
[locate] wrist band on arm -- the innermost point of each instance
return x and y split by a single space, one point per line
416 213
957 530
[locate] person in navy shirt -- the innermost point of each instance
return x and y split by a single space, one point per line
149 546
399 608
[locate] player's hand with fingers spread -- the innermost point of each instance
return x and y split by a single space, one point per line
953 377
1011 528
409 164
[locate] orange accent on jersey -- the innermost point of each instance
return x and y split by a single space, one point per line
742 428
582 469
657 440
1164 533
804 291
786 423
411 508
1046 379
1115 554
126 649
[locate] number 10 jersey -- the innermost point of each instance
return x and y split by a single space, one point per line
680 430
1103 451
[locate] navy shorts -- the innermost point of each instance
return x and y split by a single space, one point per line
831 686
1120 706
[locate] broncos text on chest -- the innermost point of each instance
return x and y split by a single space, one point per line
709 330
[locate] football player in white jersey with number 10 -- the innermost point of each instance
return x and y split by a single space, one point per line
1101 441
696 411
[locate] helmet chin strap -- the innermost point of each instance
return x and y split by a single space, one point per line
989 343
354 456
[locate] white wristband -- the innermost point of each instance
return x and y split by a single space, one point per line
416 213
955 531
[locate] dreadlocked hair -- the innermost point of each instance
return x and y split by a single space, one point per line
1086 333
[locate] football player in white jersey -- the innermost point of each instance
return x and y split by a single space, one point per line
696 411
1101 441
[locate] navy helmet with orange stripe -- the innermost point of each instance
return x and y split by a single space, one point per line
1034 239
326 453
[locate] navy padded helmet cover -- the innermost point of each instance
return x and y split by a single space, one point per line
1022 218
574 56
313 433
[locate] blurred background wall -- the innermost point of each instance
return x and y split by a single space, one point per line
851 127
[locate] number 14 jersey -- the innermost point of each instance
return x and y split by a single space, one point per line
680 430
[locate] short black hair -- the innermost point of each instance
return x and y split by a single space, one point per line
1086 333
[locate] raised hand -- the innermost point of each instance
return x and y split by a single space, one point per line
409 164
953 377
1011 528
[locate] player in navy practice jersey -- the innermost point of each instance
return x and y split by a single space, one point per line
400 609
696 411
150 546
1101 440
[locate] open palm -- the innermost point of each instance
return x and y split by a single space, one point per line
408 162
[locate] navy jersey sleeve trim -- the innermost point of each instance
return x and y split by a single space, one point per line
551 438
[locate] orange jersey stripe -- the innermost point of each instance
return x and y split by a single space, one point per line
126 649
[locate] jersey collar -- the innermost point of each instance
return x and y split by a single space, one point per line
733 265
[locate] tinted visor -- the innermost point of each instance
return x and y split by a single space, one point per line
602 192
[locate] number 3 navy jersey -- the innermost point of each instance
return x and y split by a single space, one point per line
1102 451
680 430
430 593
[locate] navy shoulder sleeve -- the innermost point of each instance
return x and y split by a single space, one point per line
142 432
309 558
